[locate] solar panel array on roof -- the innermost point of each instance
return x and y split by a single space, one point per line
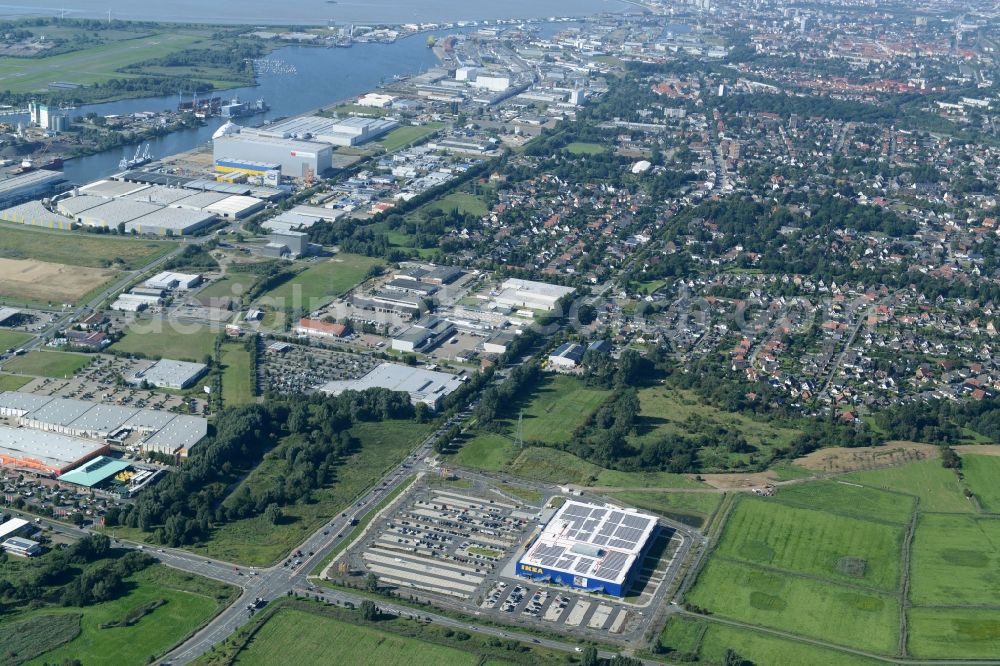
591 541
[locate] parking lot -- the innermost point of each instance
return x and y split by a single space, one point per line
459 547
301 369
444 542
103 381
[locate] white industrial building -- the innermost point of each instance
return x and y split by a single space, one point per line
167 373
58 434
352 131
33 213
172 280
424 386
517 293
296 157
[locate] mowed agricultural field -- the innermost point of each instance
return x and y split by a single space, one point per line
96 64
850 500
582 148
295 637
12 382
407 134
47 364
79 249
464 202
555 408
190 601
818 609
237 384
166 339
956 561
31 281
954 633
319 284
938 488
815 543
10 339
231 286
255 541
982 474
689 508
708 642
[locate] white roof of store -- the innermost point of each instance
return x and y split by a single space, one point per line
419 383
175 219
112 189
181 432
76 205
32 212
591 541
234 205
167 372
117 211
48 448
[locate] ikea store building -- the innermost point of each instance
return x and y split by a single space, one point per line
590 547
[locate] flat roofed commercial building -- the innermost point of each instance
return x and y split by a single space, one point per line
17 404
115 212
112 189
33 213
531 294
45 452
200 200
30 185
13 527
294 156
56 415
424 386
95 471
171 221
73 206
161 194
167 373
179 436
590 547
22 547
235 207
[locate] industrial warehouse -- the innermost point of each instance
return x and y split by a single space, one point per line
590 547
80 423
134 204
424 386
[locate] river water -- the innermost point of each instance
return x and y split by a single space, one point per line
322 76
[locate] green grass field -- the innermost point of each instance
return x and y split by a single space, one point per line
815 543
99 63
22 640
849 500
982 473
828 611
320 283
671 411
707 641
11 339
465 202
191 601
12 382
487 451
689 508
256 541
231 286
407 134
556 407
78 249
296 637
581 148
956 560
937 488
555 466
954 633
237 385
47 364
163 339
